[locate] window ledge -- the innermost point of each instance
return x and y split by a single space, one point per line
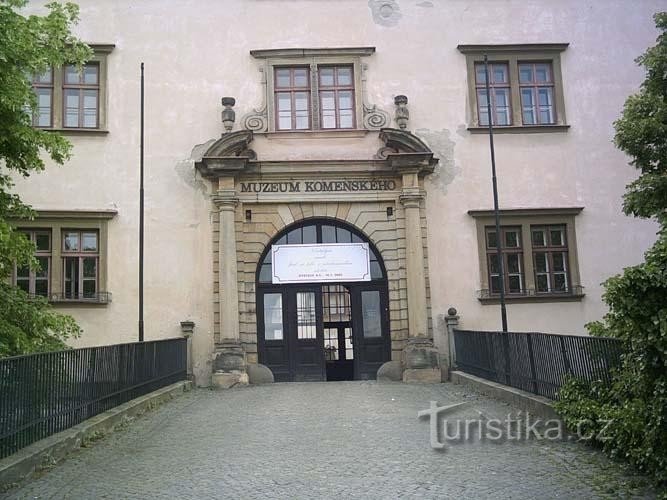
78 131
529 296
314 134
100 298
523 129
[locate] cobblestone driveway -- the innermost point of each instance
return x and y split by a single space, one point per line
322 440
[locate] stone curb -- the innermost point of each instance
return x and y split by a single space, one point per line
53 449
525 401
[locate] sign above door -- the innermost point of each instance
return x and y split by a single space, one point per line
322 263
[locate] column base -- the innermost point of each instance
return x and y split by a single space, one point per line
421 363
227 380
229 365
422 376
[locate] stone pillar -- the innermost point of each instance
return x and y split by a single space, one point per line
229 363
187 329
420 357
452 322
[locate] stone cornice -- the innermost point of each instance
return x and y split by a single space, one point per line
102 48
103 214
313 52
407 163
512 48
518 212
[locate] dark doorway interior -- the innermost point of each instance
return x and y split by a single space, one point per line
323 331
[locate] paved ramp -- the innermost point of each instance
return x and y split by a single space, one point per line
340 440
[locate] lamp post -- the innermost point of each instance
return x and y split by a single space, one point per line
141 214
501 270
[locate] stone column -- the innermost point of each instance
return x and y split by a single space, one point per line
452 322
187 329
229 363
420 357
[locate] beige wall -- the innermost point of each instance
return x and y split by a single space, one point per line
197 52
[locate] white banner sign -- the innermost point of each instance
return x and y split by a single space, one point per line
320 263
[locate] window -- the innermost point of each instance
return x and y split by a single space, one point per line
80 262
538 248
43 86
335 94
71 249
81 91
73 100
537 93
292 98
512 255
499 90
550 258
336 97
525 86
314 90
36 281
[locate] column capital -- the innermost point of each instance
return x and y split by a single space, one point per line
225 199
411 197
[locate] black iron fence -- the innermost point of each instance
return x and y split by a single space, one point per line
535 362
41 394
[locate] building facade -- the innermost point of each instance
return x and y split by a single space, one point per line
345 126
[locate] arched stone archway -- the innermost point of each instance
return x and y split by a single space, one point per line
382 197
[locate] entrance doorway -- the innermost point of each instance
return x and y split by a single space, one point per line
323 331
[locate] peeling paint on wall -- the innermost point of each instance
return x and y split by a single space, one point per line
442 145
385 12
199 150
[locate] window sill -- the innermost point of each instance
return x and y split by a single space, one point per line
531 297
100 299
78 131
314 134
527 129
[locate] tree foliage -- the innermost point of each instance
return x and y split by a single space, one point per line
29 45
636 402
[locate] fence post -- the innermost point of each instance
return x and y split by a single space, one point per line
188 329
566 360
452 323
531 358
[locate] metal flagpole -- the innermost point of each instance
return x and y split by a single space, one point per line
501 270
141 215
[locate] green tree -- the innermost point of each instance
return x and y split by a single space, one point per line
636 402
29 45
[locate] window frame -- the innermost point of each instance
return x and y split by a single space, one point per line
82 221
492 252
80 254
527 220
100 58
313 59
81 88
36 84
292 90
513 55
32 274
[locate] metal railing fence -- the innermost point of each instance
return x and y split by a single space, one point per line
41 394
535 362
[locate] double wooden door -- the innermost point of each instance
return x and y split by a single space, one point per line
323 332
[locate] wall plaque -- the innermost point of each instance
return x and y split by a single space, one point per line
329 262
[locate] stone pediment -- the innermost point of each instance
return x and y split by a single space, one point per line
227 155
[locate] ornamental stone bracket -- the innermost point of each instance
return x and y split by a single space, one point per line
258 119
405 152
227 156
374 117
